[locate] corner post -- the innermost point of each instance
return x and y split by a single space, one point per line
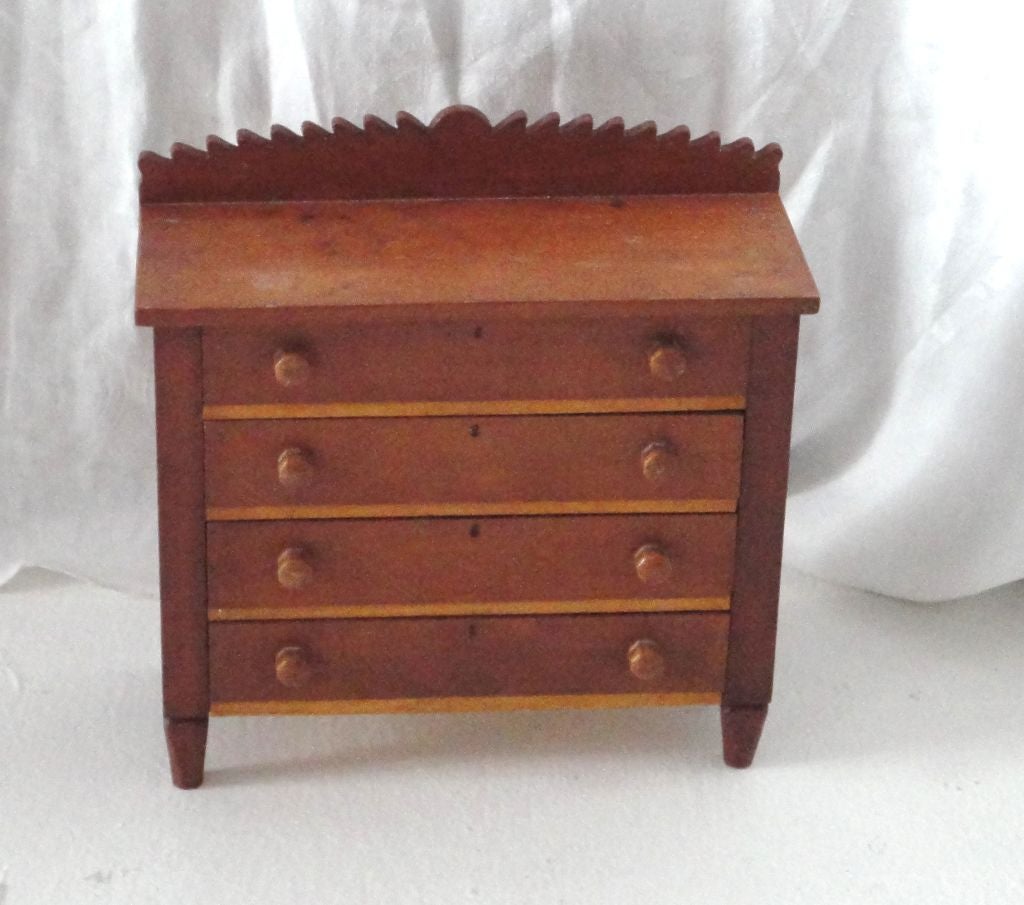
771 376
181 496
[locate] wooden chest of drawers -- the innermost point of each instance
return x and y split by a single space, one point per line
469 417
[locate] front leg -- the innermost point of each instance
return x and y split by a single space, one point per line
741 731
181 495
186 745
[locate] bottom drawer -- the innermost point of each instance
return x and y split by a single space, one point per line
465 663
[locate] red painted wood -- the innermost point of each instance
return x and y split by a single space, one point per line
761 510
741 731
461 155
179 438
531 233
462 560
352 659
483 360
186 747
434 461
221 263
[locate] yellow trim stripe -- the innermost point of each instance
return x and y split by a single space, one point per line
416 510
465 704
476 608
469 407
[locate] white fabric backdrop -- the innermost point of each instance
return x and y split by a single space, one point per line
902 139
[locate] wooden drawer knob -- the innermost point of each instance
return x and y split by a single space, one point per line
653 564
291 369
292 666
294 468
646 661
667 360
658 461
294 570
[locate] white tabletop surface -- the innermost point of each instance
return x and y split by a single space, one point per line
889 772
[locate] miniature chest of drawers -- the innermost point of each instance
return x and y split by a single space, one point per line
462 416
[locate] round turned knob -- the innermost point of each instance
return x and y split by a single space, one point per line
293 569
653 564
292 666
294 468
646 661
667 360
291 369
658 461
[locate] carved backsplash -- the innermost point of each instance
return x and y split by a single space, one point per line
458 154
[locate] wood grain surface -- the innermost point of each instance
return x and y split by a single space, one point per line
178 366
741 731
399 566
247 264
475 344
466 657
459 154
462 367
464 704
429 462
762 511
591 406
186 749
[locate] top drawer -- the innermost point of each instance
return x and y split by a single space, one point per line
478 367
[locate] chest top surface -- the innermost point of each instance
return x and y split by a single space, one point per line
414 221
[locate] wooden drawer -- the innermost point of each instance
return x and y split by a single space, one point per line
396 660
455 566
462 466
477 367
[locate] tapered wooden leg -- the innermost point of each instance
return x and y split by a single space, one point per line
741 731
186 745
178 358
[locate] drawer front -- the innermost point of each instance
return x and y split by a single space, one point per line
452 466
399 567
388 659
481 367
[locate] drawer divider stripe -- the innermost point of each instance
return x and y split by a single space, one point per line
488 407
497 608
466 704
417 510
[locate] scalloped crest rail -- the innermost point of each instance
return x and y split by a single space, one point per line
460 154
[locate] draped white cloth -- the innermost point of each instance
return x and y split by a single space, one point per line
899 123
